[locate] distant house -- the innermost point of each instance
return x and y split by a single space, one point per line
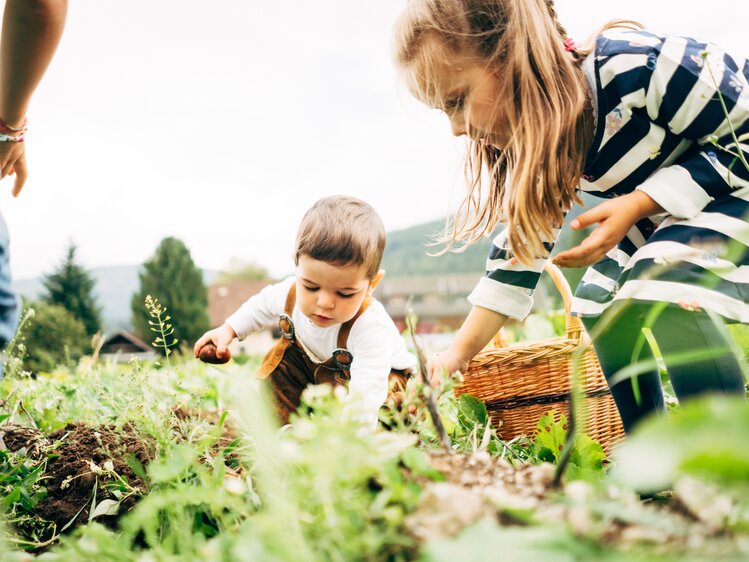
224 299
124 345
438 301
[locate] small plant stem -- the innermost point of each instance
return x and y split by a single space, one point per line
575 394
430 402
740 154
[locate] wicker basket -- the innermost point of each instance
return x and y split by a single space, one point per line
519 383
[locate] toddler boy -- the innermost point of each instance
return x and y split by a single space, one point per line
333 331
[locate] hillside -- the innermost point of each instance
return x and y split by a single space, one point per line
408 250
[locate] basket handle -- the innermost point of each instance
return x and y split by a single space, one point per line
573 323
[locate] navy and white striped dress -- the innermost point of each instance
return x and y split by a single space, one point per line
659 119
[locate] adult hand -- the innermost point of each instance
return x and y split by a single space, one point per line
13 161
614 218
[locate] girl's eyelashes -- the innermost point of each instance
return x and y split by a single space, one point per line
346 296
311 289
454 103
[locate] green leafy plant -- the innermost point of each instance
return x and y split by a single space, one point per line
587 456
159 324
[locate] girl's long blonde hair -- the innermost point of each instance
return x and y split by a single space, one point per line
532 181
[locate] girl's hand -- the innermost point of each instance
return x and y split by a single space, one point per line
221 337
13 161
614 217
446 362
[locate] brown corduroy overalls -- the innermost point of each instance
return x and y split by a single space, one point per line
290 369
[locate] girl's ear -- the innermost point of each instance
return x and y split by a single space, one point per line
375 280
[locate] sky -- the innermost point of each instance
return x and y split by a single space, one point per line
221 122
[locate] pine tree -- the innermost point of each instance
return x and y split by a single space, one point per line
172 277
71 287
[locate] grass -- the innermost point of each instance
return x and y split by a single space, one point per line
228 484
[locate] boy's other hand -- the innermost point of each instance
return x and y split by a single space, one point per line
220 338
13 161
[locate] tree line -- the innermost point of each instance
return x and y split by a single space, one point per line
66 323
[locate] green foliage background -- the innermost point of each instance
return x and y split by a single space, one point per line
53 336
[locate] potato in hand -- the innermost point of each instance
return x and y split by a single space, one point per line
209 354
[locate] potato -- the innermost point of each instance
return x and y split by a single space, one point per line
207 354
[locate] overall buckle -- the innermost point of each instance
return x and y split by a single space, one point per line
342 359
286 326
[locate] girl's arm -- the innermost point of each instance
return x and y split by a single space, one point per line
31 32
477 330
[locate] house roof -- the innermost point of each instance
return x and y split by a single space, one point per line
125 337
225 298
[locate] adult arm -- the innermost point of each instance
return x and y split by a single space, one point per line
30 35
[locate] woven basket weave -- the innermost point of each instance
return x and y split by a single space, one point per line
519 383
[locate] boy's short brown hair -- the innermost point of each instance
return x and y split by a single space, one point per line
342 230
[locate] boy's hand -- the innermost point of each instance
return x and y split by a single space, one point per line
445 362
614 217
218 338
13 161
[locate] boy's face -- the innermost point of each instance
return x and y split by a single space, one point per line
330 294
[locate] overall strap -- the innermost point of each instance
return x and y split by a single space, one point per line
290 300
274 356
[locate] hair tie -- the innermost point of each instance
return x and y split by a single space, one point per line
570 45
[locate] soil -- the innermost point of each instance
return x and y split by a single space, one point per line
69 477
16 437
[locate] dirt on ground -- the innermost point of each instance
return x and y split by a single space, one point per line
72 474
693 517
85 465
16 437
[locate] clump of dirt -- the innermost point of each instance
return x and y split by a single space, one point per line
481 469
16 437
476 486
83 458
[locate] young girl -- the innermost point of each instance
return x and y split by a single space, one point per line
653 124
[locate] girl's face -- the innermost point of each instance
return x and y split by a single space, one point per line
469 92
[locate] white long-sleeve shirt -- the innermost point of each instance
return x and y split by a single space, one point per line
374 342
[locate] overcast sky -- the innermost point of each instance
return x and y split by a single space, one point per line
222 122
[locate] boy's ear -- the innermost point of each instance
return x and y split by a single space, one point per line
375 280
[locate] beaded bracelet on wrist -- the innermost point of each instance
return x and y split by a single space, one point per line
11 138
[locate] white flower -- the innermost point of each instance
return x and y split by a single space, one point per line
233 485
